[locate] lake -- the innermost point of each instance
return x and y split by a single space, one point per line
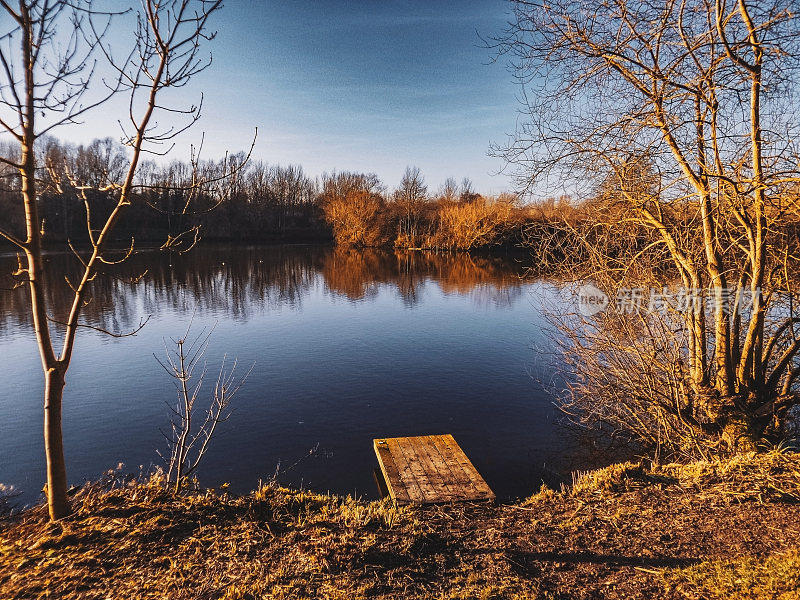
347 346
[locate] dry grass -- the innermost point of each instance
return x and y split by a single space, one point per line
776 577
135 539
467 225
723 529
773 475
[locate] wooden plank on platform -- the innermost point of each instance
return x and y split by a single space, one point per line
391 473
415 471
429 469
459 476
457 459
434 485
407 479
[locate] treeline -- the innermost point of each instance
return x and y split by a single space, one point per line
361 213
236 199
227 199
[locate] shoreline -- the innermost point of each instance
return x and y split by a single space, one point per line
722 529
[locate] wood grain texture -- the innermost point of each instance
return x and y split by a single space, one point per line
429 469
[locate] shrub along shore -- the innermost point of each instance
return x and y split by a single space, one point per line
725 529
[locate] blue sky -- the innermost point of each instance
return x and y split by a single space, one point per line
367 86
370 86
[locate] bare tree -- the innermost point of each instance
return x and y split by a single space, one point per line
48 57
187 442
449 190
411 193
467 191
690 105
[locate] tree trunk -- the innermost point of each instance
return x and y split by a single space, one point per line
57 503
739 435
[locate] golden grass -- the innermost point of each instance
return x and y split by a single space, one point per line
131 539
775 577
136 540
773 475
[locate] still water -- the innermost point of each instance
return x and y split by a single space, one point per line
347 346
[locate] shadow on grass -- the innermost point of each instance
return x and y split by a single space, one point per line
528 562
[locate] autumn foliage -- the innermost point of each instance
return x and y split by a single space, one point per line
361 215
354 209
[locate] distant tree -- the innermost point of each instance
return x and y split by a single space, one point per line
412 188
466 225
466 192
292 191
449 190
355 208
409 198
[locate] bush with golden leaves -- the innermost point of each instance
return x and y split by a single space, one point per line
478 222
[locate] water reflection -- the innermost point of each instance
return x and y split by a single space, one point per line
234 281
349 345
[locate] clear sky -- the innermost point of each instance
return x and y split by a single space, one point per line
368 86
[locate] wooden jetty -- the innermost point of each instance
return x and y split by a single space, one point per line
429 469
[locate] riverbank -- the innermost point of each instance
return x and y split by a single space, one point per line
707 530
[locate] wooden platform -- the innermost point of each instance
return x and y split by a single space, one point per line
429 469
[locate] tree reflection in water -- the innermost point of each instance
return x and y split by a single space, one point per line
348 345
235 280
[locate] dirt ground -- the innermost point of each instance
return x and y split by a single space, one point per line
727 529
